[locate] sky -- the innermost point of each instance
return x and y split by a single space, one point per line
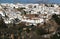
30 1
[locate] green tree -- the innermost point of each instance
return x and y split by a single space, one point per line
41 31
55 36
56 18
2 23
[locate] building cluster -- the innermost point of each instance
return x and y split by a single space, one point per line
31 13
27 15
